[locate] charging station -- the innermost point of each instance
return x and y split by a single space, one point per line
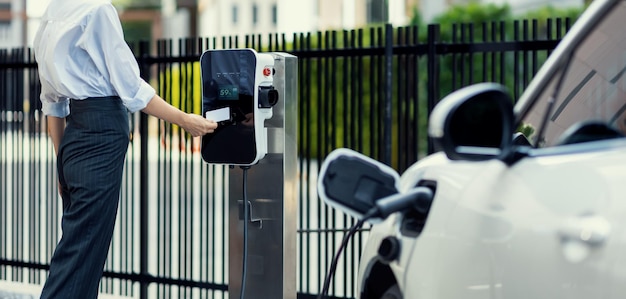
253 97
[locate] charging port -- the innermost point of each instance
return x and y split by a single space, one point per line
268 96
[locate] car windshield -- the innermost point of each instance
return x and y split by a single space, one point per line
593 90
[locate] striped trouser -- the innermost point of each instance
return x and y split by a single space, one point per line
90 165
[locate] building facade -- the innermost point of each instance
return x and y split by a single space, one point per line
13 24
19 19
236 17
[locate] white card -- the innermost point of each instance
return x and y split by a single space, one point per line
218 115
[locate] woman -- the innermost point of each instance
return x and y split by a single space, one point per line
90 80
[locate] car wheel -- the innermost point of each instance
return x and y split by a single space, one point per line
392 293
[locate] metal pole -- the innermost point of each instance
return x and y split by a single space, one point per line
144 51
388 91
271 195
433 73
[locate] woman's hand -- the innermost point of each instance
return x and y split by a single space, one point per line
197 125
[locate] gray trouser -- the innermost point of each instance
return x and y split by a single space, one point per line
90 165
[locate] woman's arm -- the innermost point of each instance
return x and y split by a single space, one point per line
194 124
56 128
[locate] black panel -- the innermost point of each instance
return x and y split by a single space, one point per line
228 81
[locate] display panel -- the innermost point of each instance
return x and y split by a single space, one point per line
228 92
228 82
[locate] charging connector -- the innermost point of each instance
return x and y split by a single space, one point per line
419 199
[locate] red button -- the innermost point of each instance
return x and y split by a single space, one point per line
267 72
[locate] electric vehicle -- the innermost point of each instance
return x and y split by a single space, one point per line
528 200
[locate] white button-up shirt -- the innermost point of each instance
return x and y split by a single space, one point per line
81 53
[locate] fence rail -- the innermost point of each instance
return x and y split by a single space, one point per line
368 89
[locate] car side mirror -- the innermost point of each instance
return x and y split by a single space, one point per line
474 123
353 183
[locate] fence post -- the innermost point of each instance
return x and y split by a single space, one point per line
144 67
388 92
433 73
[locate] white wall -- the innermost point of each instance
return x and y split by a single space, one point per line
397 12
431 8
296 16
348 9
175 24
12 34
216 17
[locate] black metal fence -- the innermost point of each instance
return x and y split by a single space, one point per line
369 89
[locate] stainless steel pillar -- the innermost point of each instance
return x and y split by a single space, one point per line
272 196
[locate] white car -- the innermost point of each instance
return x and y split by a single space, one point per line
521 202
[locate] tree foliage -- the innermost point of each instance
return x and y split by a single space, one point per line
474 12
137 4
467 23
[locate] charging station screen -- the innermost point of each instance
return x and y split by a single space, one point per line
228 92
228 84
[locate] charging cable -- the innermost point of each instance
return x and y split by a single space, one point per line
344 243
420 199
246 216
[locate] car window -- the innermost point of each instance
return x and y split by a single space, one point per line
591 102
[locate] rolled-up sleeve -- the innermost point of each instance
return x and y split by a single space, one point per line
103 39
52 104
57 109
